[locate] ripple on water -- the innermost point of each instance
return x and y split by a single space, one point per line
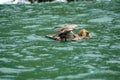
17 54
15 32
116 27
8 46
31 58
28 20
34 37
51 68
114 61
101 75
106 38
30 50
103 19
30 53
2 50
70 48
83 26
81 15
47 28
14 70
45 55
6 60
103 45
31 26
92 55
8 77
115 46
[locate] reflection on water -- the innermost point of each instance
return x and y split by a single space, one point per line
26 54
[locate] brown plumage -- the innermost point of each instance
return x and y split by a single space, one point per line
66 33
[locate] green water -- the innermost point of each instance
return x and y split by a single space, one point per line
26 54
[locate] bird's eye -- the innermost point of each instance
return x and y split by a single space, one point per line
87 33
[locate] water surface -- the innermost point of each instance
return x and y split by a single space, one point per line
26 54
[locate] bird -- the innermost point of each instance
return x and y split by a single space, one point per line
66 33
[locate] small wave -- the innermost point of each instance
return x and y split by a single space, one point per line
14 70
81 15
63 48
32 26
34 37
51 68
15 32
7 77
115 46
6 60
92 55
30 58
100 75
102 19
114 61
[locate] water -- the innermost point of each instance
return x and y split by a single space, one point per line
26 54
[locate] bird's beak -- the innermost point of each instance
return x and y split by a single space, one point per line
90 36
